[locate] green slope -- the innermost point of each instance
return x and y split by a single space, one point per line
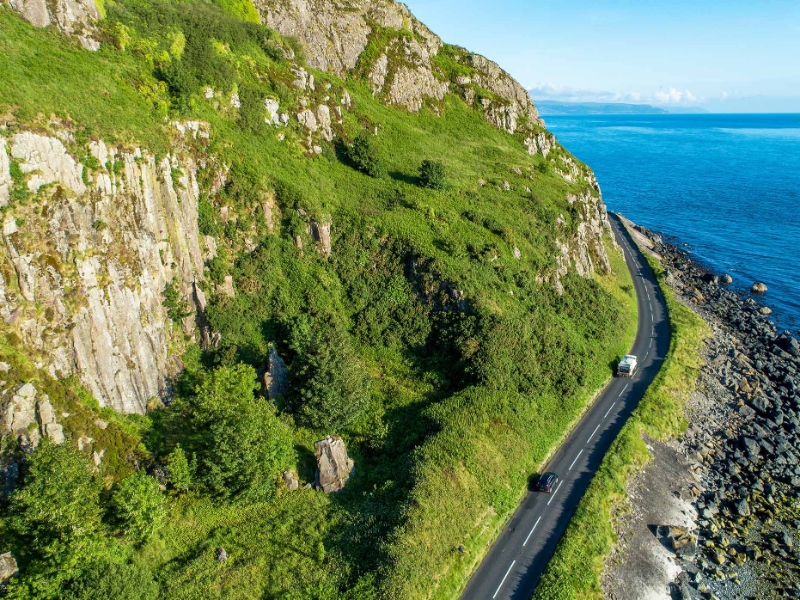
449 370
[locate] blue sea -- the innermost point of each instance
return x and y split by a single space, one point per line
726 186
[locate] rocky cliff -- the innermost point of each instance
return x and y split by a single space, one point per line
92 234
403 60
73 17
88 251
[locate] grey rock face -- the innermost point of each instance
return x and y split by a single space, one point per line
98 259
29 419
334 40
585 250
333 465
275 378
322 235
70 16
5 174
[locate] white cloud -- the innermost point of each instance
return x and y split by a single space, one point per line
550 91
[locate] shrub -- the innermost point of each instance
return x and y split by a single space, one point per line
55 517
364 157
333 389
176 308
113 580
178 471
139 507
240 443
432 175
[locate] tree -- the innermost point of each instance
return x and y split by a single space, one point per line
178 470
240 443
139 506
432 175
333 388
55 518
365 157
103 579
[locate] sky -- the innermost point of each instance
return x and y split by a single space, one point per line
725 56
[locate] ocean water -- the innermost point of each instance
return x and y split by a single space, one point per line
726 186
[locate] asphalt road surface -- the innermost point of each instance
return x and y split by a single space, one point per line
514 564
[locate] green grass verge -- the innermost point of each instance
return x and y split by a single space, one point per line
577 565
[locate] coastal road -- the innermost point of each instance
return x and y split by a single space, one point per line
515 562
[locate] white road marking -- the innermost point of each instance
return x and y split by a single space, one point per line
504 579
595 431
604 416
651 343
623 389
574 461
554 493
651 317
531 533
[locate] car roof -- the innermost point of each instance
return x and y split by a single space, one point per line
548 475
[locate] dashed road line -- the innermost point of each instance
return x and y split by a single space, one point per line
574 461
591 436
604 416
554 493
497 591
623 389
531 532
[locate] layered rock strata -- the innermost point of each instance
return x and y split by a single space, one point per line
83 268
404 68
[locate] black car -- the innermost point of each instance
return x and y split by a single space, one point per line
547 482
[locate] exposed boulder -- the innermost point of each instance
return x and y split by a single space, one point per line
742 508
322 235
220 555
726 279
8 568
759 288
291 481
333 465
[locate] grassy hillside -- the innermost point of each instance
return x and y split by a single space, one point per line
449 369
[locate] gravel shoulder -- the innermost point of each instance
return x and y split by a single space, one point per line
716 514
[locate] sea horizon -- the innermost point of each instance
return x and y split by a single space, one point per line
725 186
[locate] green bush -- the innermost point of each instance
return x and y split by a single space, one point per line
176 308
178 470
332 385
240 443
120 581
139 507
432 175
55 520
363 155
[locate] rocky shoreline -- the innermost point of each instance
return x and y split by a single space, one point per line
716 514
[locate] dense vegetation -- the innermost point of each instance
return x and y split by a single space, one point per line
579 560
449 369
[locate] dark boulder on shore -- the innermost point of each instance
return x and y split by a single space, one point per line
726 279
